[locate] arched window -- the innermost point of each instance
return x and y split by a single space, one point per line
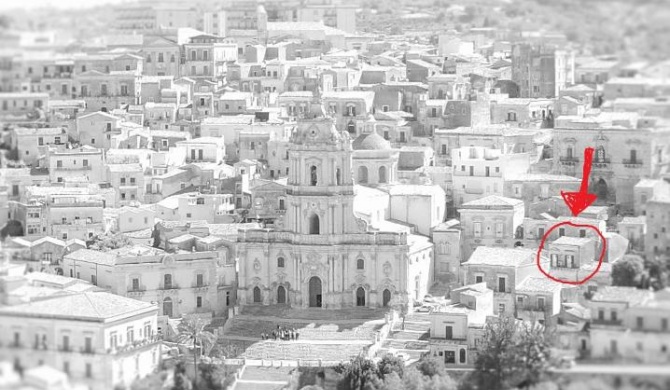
280 262
569 152
312 175
360 264
314 224
600 154
511 116
382 174
362 174
257 294
167 281
633 156
338 177
462 356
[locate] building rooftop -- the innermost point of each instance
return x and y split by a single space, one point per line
492 201
631 295
92 256
87 306
538 284
578 241
502 257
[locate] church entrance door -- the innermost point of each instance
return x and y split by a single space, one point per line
281 294
386 298
360 296
315 292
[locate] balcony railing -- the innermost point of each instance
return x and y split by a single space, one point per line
569 161
628 163
80 168
40 345
602 164
15 344
134 345
200 288
85 350
170 287
610 322
135 293
65 348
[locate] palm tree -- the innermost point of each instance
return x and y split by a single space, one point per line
192 329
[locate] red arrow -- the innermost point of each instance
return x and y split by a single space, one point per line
578 201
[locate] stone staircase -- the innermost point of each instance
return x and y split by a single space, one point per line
412 340
263 378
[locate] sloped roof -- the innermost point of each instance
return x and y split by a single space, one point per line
492 201
87 306
502 257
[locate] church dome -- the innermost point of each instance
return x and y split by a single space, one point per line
371 141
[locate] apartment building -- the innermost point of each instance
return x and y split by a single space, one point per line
502 269
83 162
457 329
491 221
181 282
630 324
100 340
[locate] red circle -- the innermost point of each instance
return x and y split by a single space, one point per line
589 276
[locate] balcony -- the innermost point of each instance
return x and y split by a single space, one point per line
569 161
602 164
169 287
200 288
135 345
40 346
135 293
15 345
65 348
81 168
88 351
628 163
603 322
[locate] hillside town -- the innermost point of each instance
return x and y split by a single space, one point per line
331 194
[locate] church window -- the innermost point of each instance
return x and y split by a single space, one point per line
362 174
360 264
313 177
314 224
382 174
280 262
600 154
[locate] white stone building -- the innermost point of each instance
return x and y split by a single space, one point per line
321 255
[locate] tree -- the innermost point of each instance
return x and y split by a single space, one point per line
156 236
213 376
109 242
12 228
180 380
628 271
359 374
430 366
658 273
391 364
532 354
511 355
192 330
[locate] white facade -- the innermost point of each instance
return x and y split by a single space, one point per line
322 255
101 340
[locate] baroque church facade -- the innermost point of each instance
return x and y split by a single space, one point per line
321 255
